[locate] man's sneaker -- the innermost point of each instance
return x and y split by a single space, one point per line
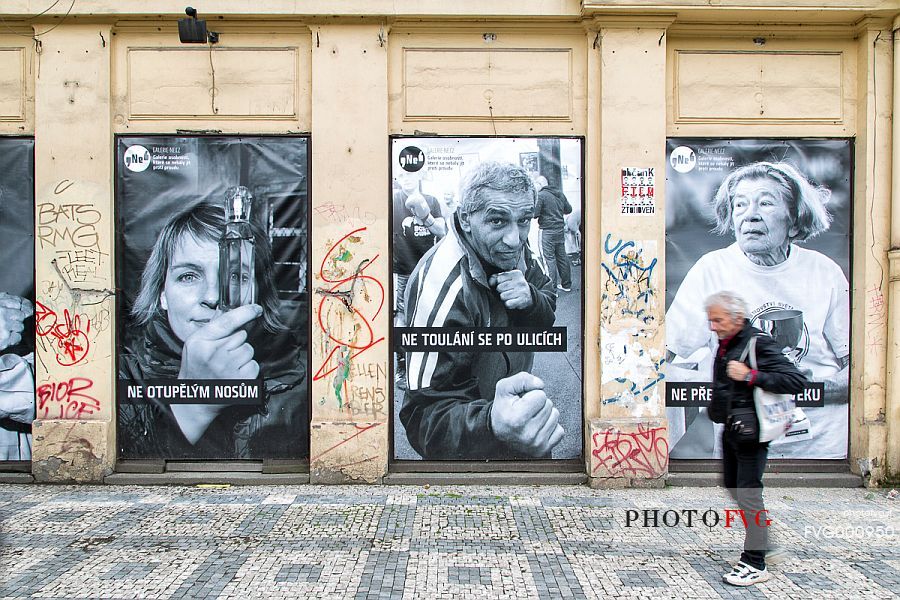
400 373
400 379
777 555
560 286
743 575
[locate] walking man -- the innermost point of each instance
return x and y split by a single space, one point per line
550 210
743 456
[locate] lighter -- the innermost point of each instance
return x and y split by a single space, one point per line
237 261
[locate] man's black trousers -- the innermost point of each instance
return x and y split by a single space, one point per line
743 467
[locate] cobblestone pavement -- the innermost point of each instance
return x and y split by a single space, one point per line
413 542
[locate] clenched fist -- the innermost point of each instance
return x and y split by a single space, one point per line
13 312
219 350
523 417
417 204
513 289
737 370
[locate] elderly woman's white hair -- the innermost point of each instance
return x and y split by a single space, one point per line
806 202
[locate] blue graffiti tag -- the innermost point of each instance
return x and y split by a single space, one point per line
629 286
634 390
628 266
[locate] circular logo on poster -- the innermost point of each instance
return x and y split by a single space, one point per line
683 159
137 158
411 159
786 326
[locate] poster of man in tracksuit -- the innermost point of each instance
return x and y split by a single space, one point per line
493 354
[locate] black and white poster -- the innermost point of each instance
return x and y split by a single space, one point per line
212 243
487 331
771 221
16 297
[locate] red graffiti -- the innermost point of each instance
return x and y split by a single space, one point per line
344 297
66 399
359 431
70 341
641 454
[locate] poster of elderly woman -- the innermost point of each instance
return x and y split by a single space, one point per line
770 220
211 259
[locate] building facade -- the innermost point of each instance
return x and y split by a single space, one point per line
637 112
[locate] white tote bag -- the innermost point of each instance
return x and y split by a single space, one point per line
774 411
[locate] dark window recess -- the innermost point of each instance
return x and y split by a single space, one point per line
290 213
288 273
286 207
289 249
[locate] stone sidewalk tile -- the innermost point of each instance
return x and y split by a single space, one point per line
373 542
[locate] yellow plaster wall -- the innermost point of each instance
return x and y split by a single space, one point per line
74 255
17 77
262 79
871 241
632 250
623 82
892 414
845 98
267 9
509 100
723 83
592 219
430 63
772 11
349 351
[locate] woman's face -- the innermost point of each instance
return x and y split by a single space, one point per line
190 296
761 217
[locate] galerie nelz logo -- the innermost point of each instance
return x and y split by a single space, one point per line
411 159
683 159
137 158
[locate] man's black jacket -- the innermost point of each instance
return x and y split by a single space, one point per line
775 373
551 208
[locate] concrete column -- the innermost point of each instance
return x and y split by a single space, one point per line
892 400
350 310
591 241
75 368
871 241
628 442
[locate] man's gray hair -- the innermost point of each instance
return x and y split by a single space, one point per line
497 176
730 302
806 201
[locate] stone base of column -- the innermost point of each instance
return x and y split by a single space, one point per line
348 452
72 451
628 453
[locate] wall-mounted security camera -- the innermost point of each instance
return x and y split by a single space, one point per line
193 30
